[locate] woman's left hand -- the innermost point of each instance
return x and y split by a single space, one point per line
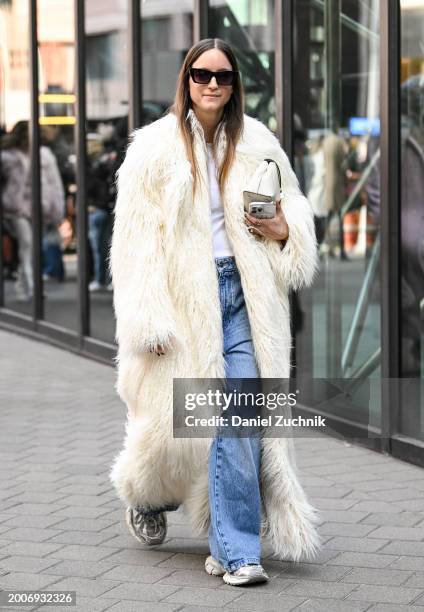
276 227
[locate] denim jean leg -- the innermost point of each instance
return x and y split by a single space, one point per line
98 221
234 463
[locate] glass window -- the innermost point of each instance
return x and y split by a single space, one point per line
248 25
15 180
412 217
107 137
336 140
167 35
56 52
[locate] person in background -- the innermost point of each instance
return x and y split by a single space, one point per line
17 201
99 211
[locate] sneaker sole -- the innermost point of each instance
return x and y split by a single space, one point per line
213 567
128 520
233 580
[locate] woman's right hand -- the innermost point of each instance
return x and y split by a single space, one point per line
158 349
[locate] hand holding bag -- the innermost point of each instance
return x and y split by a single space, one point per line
263 190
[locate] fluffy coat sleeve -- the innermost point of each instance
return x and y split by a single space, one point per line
296 264
143 308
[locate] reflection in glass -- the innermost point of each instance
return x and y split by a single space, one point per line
412 216
167 35
107 138
56 48
336 141
249 27
15 189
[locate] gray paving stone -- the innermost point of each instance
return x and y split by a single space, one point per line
35 522
312 588
370 575
190 578
31 565
30 534
123 540
36 509
332 605
343 516
83 604
402 519
138 573
310 571
353 477
142 592
83 512
413 505
192 546
78 568
255 601
331 491
39 486
184 561
277 585
140 606
380 484
84 524
25 581
31 549
399 533
407 563
416 580
87 587
356 559
394 608
82 500
89 538
400 494
76 551
384 594
419 601
7 506
196 609
343 529
355 544
402 547
139 557
38 497
202 596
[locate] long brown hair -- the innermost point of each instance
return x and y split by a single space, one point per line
232 118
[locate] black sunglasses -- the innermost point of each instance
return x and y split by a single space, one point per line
203 76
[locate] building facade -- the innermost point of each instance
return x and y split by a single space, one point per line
341 82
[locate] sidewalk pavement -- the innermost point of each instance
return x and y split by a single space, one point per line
62 527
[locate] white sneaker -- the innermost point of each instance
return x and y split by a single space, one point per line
213 567
247 574
94 286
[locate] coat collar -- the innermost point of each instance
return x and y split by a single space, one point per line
198 133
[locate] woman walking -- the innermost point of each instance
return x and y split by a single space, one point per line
201 291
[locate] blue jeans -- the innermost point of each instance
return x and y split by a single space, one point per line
99 234
234 462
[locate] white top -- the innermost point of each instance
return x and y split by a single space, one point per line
221 244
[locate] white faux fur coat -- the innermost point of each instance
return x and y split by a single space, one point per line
166 292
